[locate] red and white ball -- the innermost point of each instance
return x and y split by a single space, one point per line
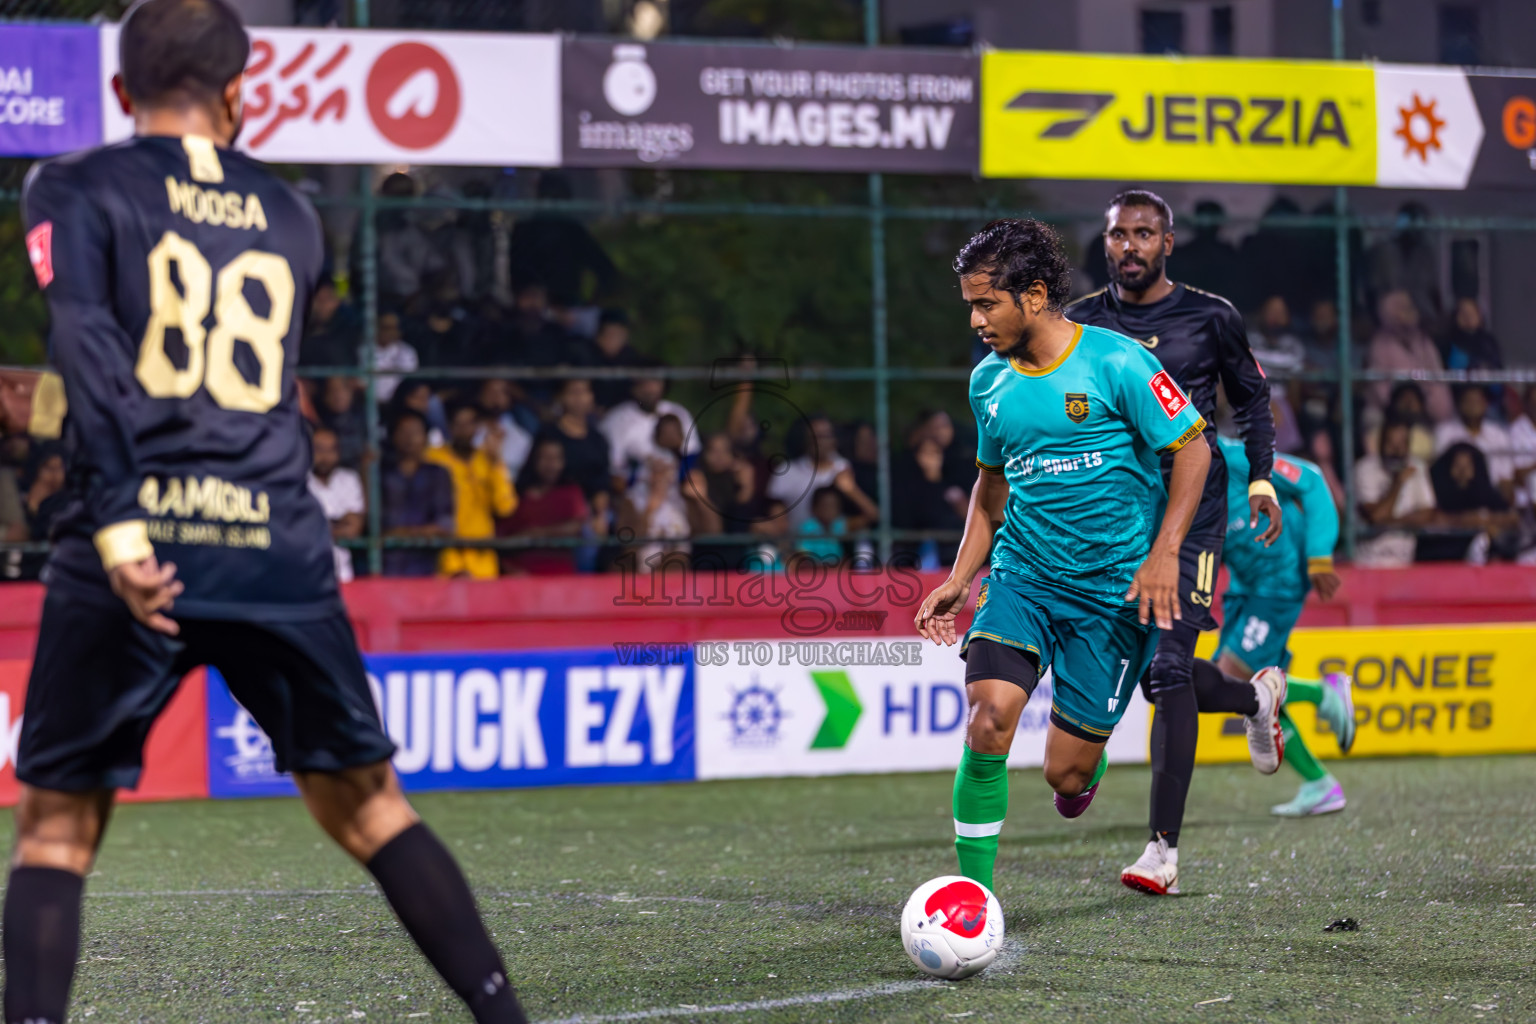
952 927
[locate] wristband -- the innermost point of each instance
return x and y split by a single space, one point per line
1263 487
48 407
123 542
1315 566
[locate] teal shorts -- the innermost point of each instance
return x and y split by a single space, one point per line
1098 652
1255 629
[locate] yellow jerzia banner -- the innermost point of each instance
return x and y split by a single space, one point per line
1060 115
1418 690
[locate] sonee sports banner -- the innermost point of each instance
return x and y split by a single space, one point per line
1418 690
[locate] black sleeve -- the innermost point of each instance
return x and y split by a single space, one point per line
86 344
1247 393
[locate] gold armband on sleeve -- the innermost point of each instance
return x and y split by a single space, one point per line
1319 565
48 407
1263 487
986 468
123 542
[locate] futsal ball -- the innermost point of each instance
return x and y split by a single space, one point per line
952 927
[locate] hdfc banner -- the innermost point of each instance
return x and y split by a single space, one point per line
337 96
47 105
494 721
779 707
768 108
1418 690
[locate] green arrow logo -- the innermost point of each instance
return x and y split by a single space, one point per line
843 710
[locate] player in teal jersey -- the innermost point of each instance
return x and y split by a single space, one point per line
1266 590
1070 505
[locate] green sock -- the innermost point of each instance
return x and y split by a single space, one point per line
1296 753
1307 691
1098 773
981 803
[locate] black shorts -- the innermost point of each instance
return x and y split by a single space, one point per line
1200 556
100 679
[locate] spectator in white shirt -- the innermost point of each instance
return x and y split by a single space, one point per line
631 428
340 493
818 466
1396 495
391 352
1472 426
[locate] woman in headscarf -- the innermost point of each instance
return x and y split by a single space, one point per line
1467 499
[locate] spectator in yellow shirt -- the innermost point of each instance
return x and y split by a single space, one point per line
482 488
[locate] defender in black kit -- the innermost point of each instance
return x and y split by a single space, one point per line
1200 339
177 273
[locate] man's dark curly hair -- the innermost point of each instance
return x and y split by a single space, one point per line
1016 254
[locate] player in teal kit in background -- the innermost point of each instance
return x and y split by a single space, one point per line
1071 422
1267 588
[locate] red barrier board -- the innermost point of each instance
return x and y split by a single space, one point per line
572 611
577 611
175 757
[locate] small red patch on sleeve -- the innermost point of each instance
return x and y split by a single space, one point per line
40 252
1289 470
1169 395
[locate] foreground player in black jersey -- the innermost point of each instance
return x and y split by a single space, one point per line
1200 340
177 272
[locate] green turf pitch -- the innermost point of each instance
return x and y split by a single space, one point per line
777 901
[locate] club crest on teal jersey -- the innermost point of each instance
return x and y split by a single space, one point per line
1077 406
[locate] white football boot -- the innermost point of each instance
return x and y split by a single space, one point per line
1156 871
1266 744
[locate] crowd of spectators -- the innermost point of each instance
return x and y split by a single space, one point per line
1441 469
594 467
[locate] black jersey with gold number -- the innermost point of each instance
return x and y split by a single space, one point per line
1200 340
177 275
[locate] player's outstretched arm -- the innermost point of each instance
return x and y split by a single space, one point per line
989 499
1156 584
1248 394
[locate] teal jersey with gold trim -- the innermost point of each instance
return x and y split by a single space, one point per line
1078 442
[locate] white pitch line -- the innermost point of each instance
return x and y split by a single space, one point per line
894 988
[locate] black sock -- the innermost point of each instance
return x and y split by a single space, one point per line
42 943
1216 691
1175 729
430 896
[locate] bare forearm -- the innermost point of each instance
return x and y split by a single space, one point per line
989 498
1186 484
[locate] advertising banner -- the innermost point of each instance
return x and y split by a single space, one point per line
823 108
1427 127
338 96
494 721
1508 107
1063 115
1418 690
49 102
173 755
775 707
